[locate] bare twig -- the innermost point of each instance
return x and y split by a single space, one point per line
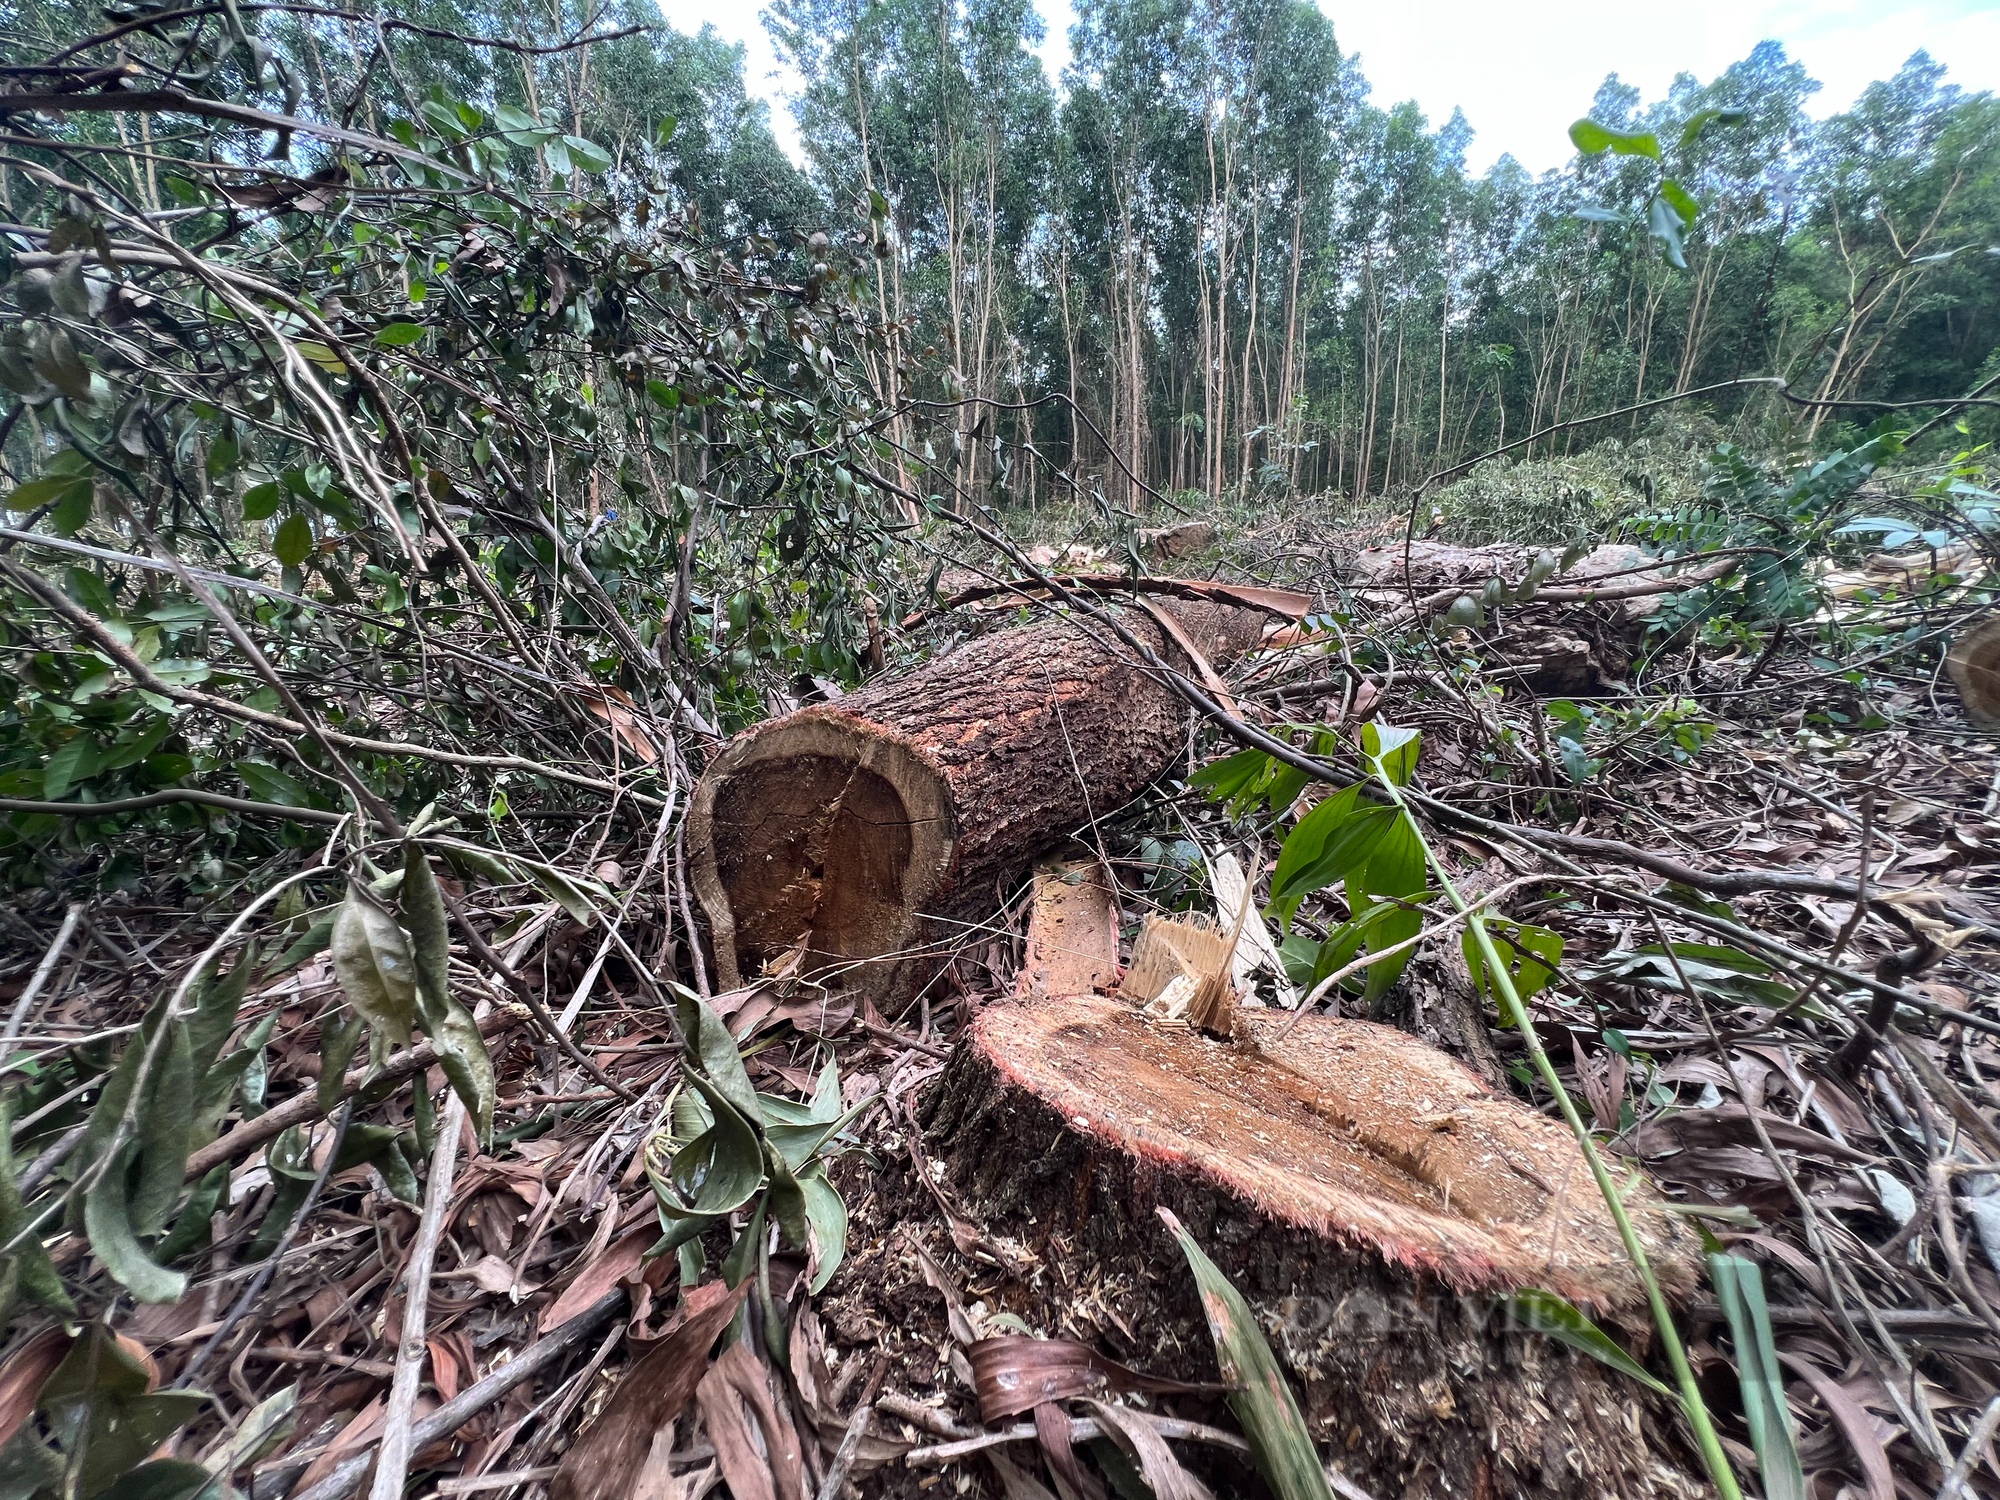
255 1289
26 1004
470 1402
392 1463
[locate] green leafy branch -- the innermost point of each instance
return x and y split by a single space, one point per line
1670 209
729 1150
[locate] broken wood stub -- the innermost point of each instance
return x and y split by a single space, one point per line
1373 1198
857 832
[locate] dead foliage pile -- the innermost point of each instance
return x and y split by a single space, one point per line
1773 876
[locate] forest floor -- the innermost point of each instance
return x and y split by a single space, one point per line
1726 1069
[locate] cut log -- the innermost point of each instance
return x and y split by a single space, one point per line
1176 541
854 834
1374 1199
1974 664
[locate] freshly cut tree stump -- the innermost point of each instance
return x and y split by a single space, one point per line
856 832
1373 1197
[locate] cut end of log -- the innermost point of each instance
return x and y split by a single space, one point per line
821 842
1974 664
1346 1129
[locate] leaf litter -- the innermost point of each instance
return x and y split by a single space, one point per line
1854 1297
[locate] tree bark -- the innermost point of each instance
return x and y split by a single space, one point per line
860 833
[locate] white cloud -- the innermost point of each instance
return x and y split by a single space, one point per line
1523 71
765 74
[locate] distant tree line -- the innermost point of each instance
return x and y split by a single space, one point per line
1231 270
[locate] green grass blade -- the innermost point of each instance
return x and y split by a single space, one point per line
1258 1393
1739 1287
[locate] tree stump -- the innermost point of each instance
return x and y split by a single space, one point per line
855 833
1374 1198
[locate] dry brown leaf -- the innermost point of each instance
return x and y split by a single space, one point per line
1052 1431
1855 1424
614 706
606 1460
1163 1472
600 1276
24 1375
1603 1077
656 1476
1014 1484
735 1391
1015 1373
492 1274
452 1362
362 1429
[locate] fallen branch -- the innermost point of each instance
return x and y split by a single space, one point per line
174 794
393 1462
1081 1430
1281 604
474 1399
1639 588
305 1106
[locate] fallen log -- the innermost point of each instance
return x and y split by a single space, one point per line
850 835
1574 633
1974 665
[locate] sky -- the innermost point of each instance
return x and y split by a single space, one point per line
1522 70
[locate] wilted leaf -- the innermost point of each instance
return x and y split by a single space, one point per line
192 1226
26 1271
461 1050
371 958
166 1118
338 1037
463 1056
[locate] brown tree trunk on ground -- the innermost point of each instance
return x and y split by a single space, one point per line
1374 1200
859 831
